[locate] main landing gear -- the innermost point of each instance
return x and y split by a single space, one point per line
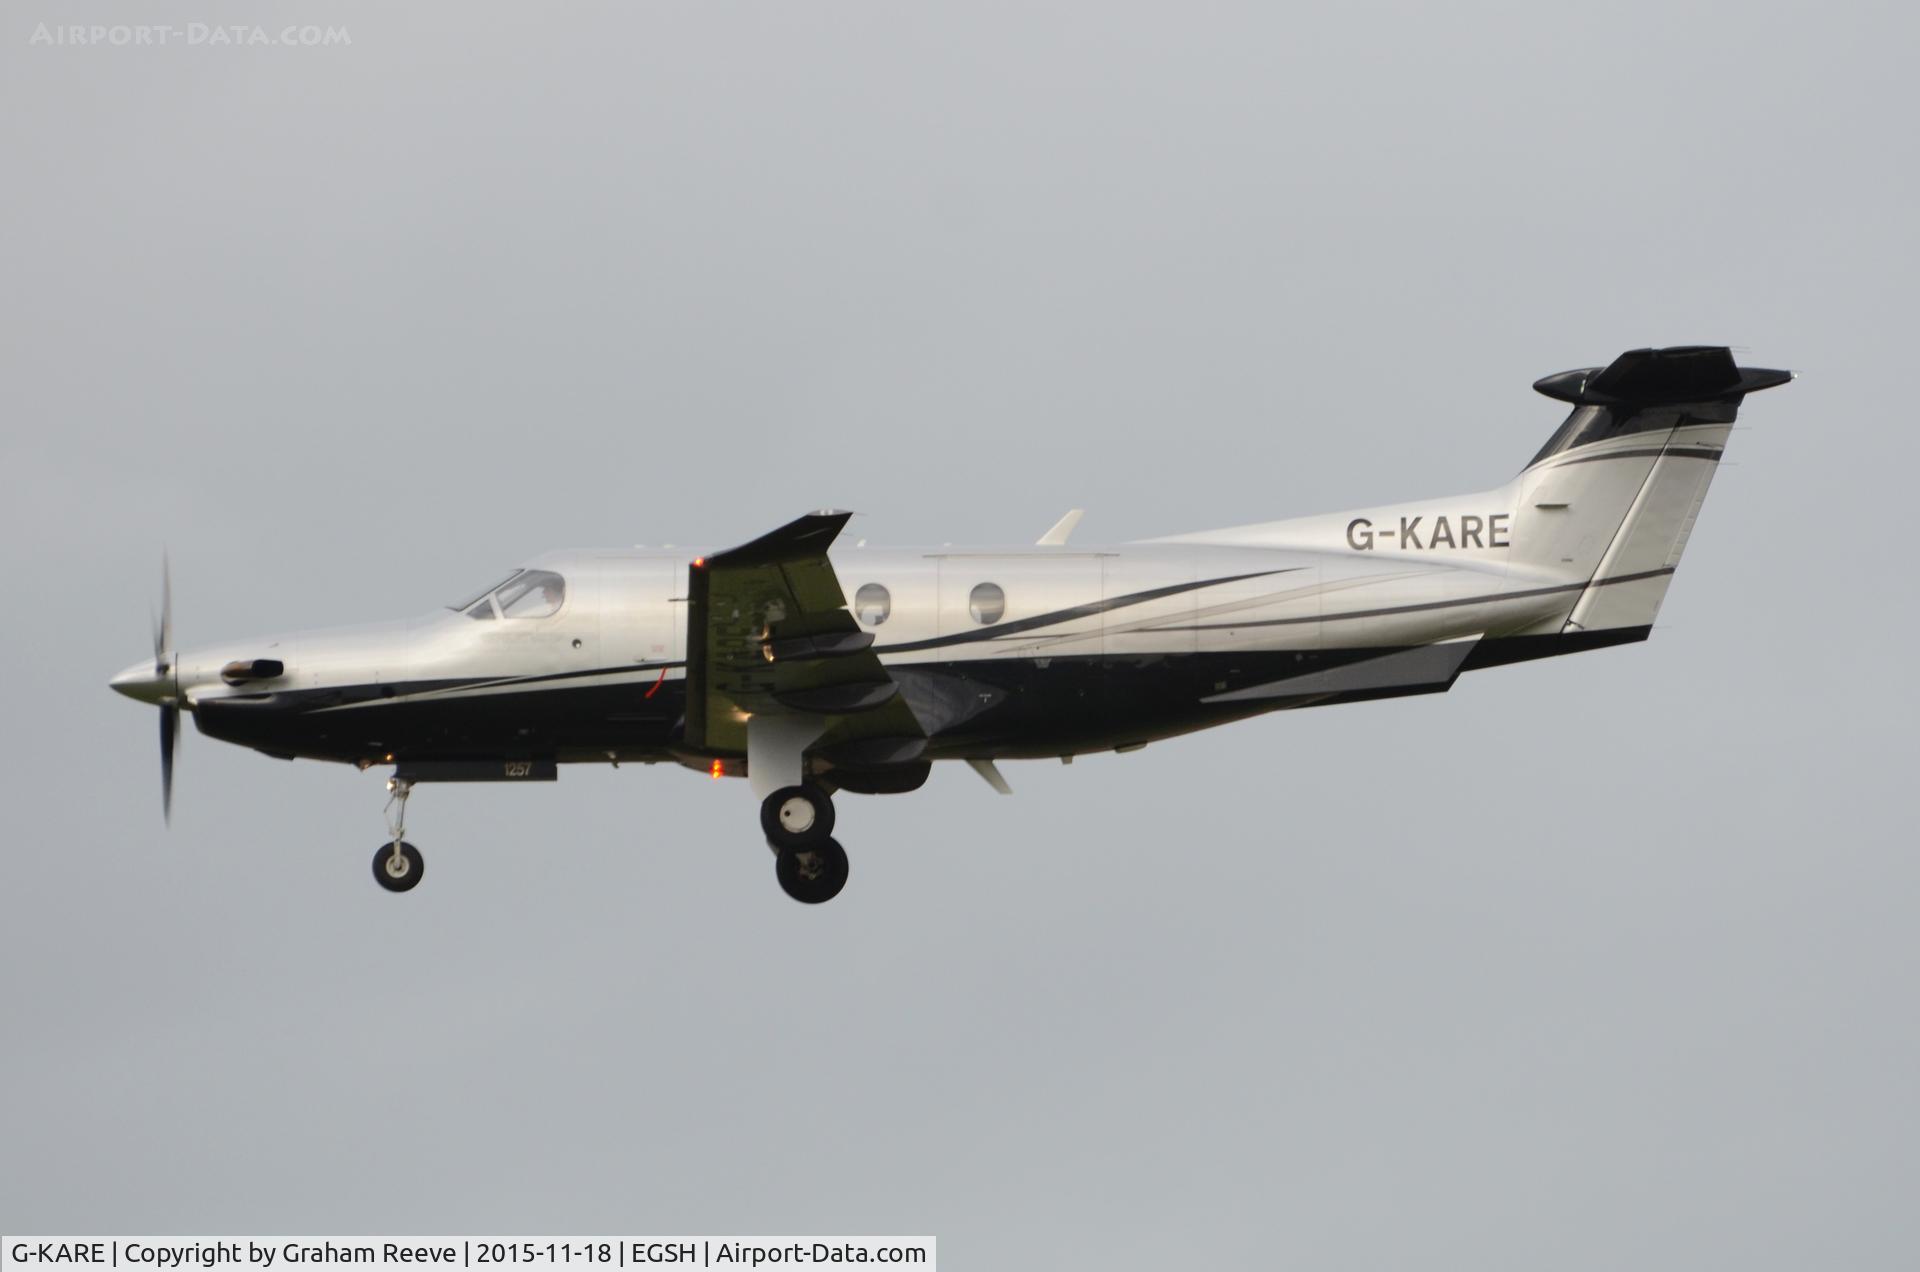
809 863
398 865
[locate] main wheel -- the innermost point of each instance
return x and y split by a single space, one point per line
398 874
796 817
812 875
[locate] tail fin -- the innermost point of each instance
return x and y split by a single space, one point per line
1591 530
1613 495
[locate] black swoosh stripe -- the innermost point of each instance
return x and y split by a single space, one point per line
995 632
1001 630
406 691
413 691
1425 605
574 675
1682 452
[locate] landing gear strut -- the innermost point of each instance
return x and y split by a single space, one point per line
398 865
796 815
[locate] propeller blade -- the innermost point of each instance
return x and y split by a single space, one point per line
163 631
169 737
169 706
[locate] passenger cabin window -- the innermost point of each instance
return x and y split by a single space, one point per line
871 604
987 603
525 594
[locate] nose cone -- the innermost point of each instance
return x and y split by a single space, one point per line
143 683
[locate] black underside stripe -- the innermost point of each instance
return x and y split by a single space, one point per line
1016 707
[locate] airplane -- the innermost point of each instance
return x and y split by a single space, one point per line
811 668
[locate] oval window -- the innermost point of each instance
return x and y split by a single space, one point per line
987 603
871 604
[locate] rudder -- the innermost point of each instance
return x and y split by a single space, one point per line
1614 495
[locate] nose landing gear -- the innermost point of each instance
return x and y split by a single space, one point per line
397 864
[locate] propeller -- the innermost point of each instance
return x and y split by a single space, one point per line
162 672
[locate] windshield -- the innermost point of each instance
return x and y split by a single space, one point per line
485 592
525 594
531 594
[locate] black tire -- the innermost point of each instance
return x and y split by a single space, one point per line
781 815
415 867
812 875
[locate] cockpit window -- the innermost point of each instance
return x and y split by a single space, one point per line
531 594
482 595
525 594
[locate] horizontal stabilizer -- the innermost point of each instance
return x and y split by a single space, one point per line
1429 668
1662 377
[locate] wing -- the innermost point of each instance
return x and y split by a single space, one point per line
768 633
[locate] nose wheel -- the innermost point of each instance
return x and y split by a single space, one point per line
397 864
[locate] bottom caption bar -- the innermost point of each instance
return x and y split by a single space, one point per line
166 1254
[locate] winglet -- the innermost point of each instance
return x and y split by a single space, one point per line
1057 537
811 533
990 775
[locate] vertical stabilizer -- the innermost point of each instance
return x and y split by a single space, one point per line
1613 496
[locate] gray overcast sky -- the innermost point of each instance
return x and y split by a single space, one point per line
1600 962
